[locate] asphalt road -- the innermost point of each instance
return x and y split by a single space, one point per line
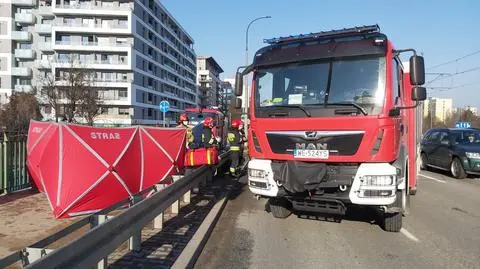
442 231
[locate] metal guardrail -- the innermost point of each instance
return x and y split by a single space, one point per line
13 168
107 232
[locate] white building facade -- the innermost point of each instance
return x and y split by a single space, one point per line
139 54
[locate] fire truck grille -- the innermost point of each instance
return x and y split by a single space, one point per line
339 143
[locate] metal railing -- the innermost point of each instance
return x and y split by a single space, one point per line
92 25
13 168
81 43
99 7
108 232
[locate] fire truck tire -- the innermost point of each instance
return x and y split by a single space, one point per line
280 207
392 222
413 191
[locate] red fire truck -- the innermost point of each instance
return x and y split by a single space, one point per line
334 123
196 115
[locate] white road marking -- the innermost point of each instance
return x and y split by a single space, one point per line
409 235
432 178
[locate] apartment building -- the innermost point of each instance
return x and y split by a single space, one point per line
208 80
137 52
440 108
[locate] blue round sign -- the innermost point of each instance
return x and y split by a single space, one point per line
164 106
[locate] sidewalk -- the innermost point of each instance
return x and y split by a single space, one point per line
26 218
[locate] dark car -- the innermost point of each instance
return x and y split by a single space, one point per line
456 150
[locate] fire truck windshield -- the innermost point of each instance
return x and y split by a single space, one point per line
357 80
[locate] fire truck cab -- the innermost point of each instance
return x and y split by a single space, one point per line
333 123
197 115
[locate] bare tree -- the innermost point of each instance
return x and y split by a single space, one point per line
50 94
91 104
76 81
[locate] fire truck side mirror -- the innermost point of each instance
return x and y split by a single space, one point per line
419 93
238 84
417 70
238 103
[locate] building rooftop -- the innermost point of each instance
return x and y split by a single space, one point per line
212 62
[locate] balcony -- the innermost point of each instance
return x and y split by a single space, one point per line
89 8
21 36
45 11
21 71
24 18
24 2
43 28
23 88
92 25
45 46
43 64
24 53
90 46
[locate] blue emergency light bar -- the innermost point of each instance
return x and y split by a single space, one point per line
367 29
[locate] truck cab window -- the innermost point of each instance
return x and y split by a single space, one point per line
396 82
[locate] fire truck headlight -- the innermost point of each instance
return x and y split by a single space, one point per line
378 180
256 173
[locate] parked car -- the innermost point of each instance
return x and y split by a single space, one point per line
456 150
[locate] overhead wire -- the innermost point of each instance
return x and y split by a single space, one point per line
455 60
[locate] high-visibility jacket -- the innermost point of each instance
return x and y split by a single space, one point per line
189 139
235 139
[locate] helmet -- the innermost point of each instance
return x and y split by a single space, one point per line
183 117
237 124
208 122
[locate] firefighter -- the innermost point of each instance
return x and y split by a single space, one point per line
183 123
236 139
208 138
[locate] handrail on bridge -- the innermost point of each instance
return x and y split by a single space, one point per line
107 233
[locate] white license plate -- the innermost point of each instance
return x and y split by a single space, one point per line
311 153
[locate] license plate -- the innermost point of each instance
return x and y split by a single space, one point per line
311 153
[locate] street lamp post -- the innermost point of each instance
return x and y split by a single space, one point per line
245 91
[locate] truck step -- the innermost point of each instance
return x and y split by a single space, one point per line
335 207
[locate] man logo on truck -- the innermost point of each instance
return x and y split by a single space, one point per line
311 146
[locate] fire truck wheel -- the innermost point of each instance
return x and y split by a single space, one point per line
280 207
392 222
413 191
456 167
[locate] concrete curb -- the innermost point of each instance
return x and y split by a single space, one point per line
192 251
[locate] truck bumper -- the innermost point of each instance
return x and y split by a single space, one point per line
367 184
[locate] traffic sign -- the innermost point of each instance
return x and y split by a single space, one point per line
463 124
164 106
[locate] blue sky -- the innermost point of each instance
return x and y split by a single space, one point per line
443 31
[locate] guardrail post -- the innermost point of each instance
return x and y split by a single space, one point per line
30 255
187 197
176 207
97 220
135 240
158 220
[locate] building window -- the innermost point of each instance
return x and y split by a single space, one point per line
3 28
150 112
123 111
123 94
